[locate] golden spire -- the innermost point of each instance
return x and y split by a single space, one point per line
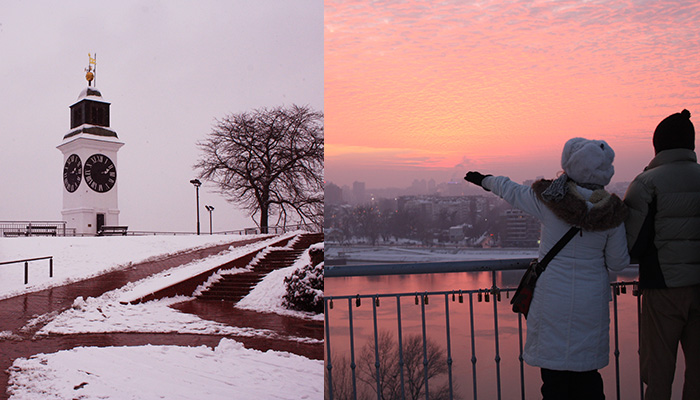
91 69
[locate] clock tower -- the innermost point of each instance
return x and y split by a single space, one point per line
90 163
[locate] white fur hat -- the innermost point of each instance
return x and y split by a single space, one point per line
588 161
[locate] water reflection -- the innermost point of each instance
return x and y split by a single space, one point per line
486 369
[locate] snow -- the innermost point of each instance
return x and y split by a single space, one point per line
150 372
77 258
183 373
183 272
266 298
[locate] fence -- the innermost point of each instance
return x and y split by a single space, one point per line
59 228
380 376
26 265
245 231
33 228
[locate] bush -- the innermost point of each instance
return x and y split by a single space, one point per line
305 285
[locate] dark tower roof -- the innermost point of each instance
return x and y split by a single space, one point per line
90 114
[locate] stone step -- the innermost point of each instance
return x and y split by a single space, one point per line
233 287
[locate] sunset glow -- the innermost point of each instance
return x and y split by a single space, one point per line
433 89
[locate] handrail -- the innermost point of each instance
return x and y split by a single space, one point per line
26 265
26 259
421 299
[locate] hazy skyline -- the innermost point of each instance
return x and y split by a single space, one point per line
419 90
168 69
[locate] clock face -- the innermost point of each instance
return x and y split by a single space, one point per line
72 173
100 173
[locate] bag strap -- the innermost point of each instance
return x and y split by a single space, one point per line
558 246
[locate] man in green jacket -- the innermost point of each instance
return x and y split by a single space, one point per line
663 234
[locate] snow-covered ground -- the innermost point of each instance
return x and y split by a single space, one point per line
76 258
145 372
229 371
392 254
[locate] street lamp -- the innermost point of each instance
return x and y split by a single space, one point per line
197 184
210 209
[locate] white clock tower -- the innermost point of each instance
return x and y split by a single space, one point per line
90 163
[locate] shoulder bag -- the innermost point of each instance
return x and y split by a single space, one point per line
523 295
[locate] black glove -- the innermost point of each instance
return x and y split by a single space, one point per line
476 178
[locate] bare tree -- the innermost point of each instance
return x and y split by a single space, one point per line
270 161
413 369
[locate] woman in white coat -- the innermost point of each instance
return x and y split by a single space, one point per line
568 323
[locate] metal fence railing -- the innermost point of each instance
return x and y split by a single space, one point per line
33 228
275 230
26 262
387 370
59 228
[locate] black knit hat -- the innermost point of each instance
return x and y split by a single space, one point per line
675 132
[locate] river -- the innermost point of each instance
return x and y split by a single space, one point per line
460 329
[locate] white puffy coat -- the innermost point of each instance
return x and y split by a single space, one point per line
569 319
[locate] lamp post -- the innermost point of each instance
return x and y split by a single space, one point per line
210 209
197 184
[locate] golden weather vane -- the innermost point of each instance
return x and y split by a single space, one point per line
91 69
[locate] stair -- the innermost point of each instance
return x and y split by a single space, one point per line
233 287
307 239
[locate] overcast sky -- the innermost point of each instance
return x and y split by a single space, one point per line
168 68
434 89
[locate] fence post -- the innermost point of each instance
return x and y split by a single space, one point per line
495 330
51 267
377 365
26 272
329 365
423 301
400 335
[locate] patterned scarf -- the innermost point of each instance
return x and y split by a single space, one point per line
558 189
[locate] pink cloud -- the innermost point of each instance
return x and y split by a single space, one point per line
505 79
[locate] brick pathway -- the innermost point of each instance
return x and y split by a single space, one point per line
15 312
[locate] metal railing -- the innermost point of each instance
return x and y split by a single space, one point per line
59 228
33 228
274 230
26 265
346 303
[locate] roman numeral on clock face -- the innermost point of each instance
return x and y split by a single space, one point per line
100 173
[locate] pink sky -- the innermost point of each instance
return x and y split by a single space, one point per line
433 89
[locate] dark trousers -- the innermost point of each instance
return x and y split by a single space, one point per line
571 385
670 316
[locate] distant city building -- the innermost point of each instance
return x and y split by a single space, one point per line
454 188
419 187
522 230
418 204
458 233
333 194
358 193
432 186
